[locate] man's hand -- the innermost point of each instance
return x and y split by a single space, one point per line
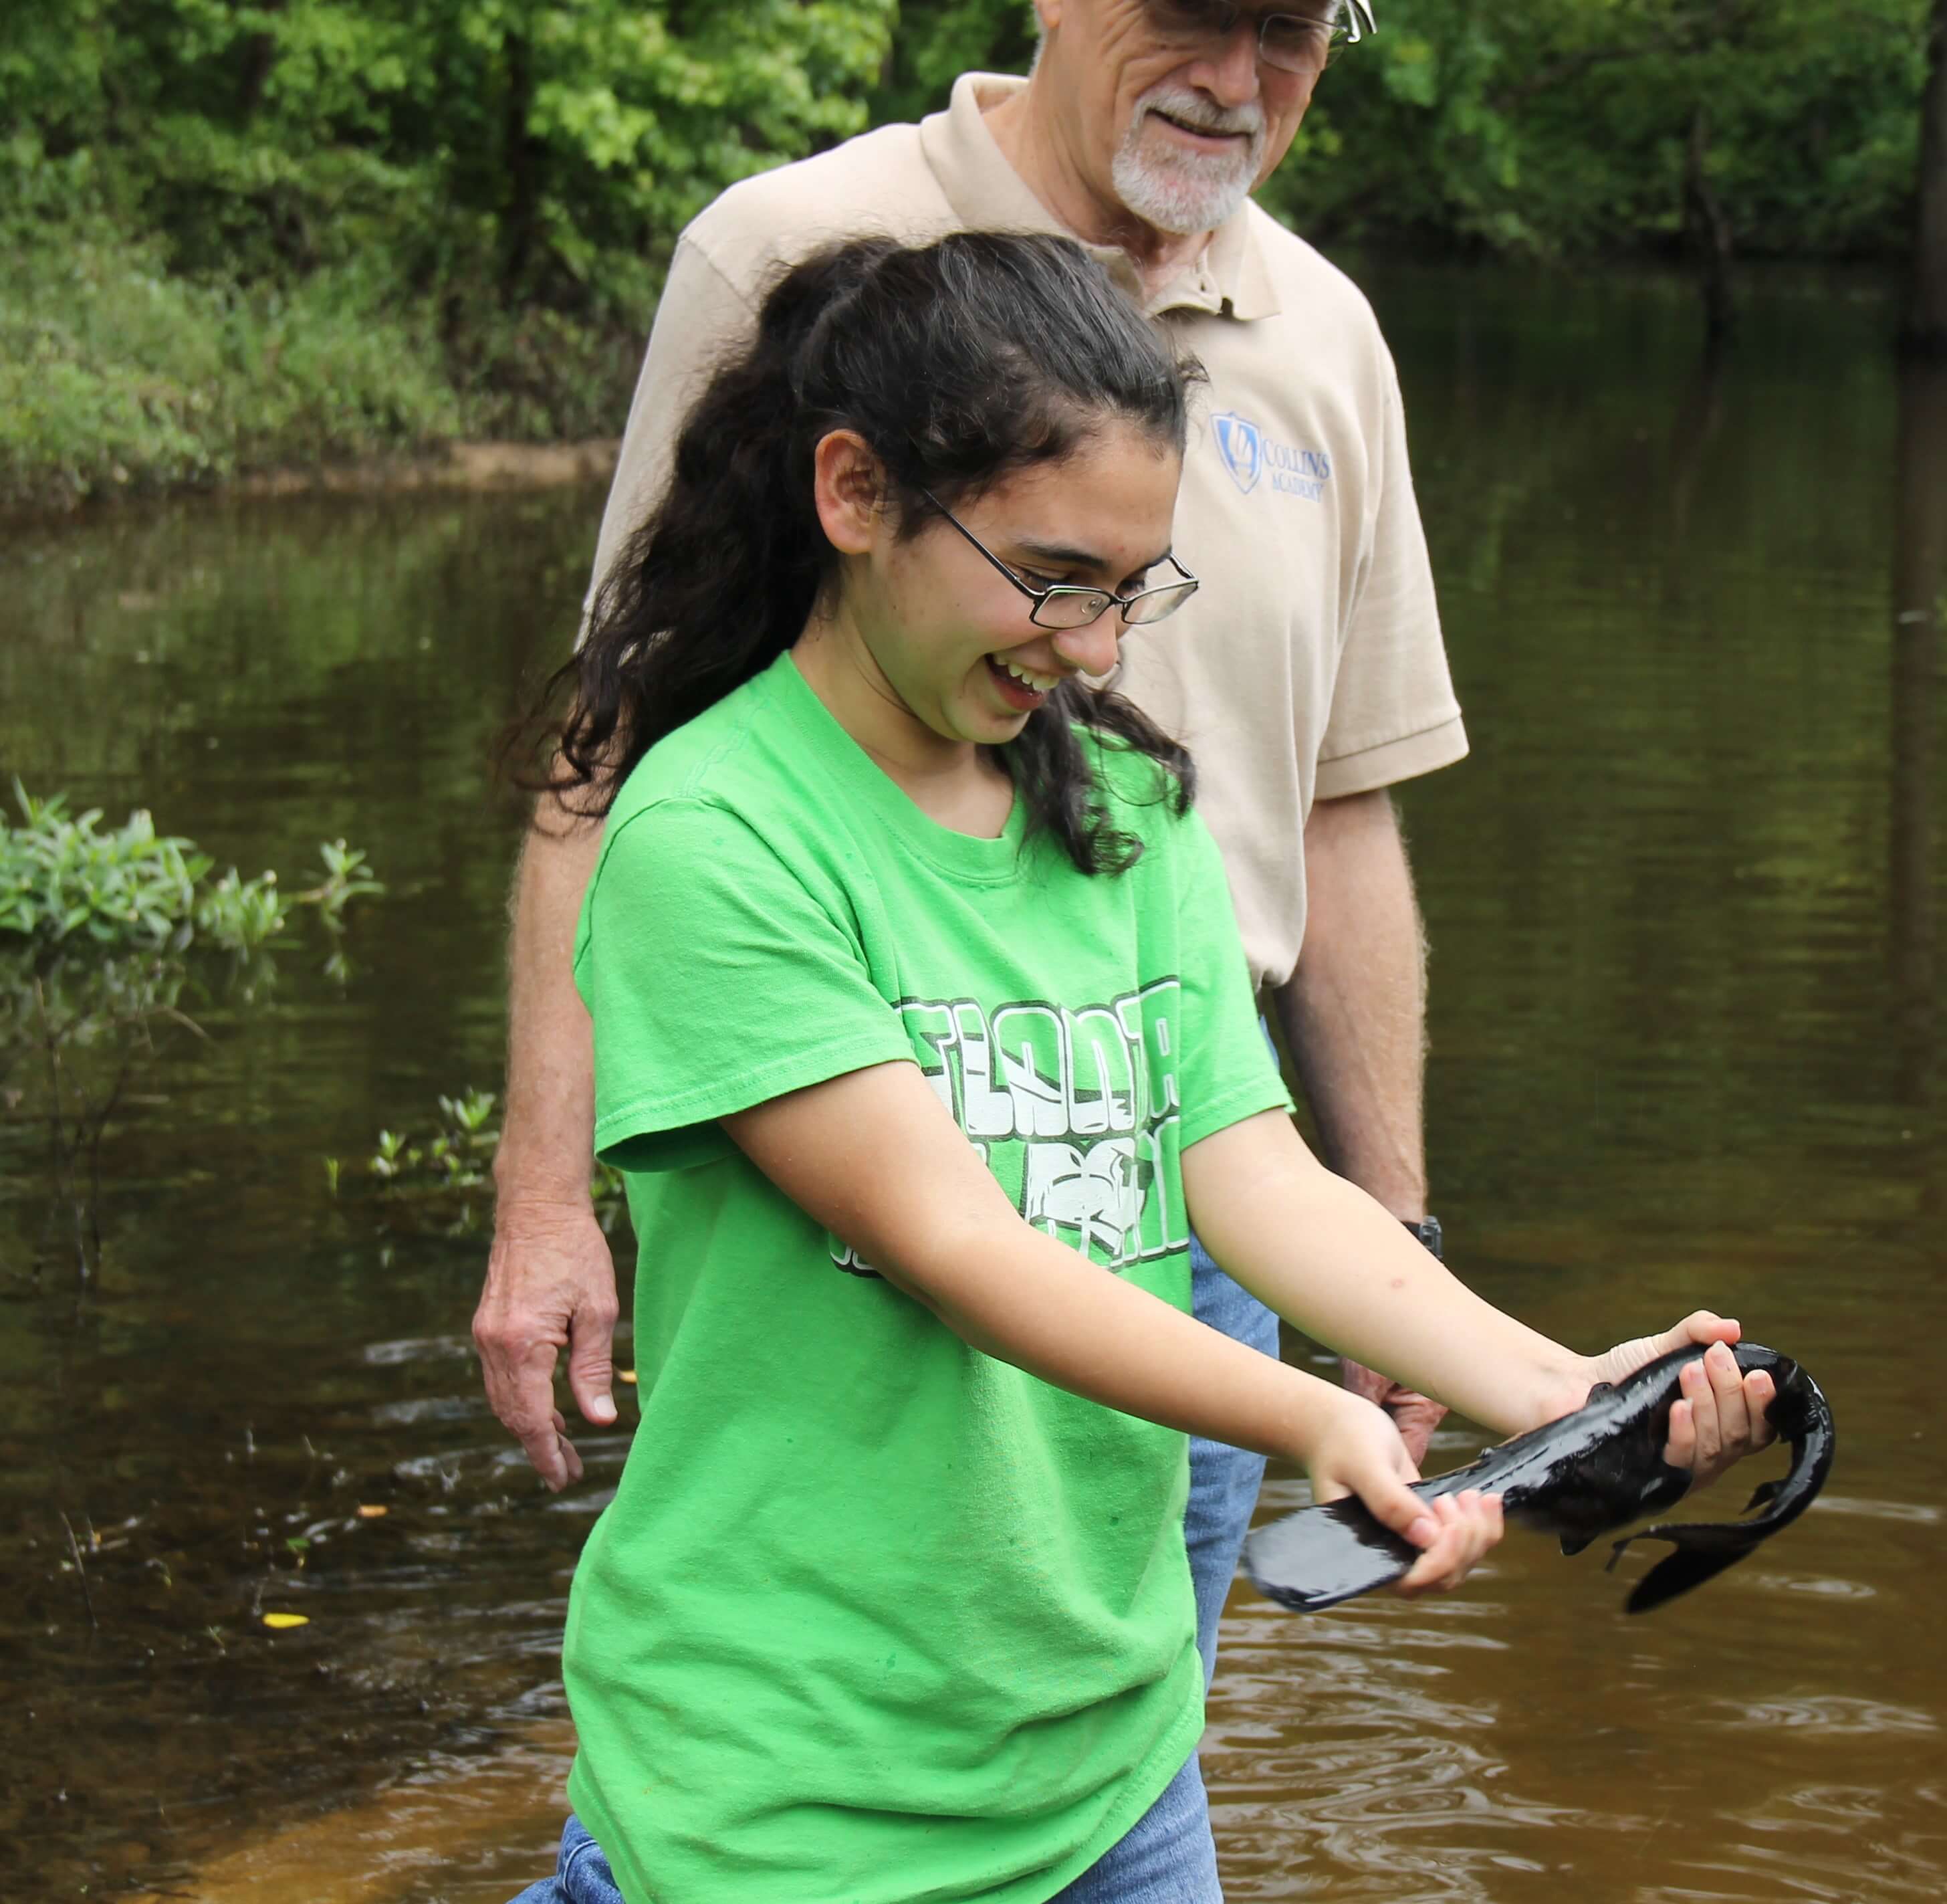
1414 1415
550 1285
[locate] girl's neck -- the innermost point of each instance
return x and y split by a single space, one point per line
953 782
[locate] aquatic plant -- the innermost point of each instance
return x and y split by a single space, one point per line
444 1174
66 879
98 927
63 878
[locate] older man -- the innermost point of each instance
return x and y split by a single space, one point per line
1307 678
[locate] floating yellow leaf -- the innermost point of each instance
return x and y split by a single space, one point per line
282 1622
627 1375
372 1513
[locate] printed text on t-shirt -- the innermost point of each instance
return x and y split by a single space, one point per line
1070 1108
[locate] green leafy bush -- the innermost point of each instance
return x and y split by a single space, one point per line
65 880
61 878
238 237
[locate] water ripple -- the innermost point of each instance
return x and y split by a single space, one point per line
1830 1713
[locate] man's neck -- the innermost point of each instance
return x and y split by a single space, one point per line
1031 141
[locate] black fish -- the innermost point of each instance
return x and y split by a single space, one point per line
1596 1469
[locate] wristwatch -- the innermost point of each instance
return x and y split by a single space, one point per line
1428 1234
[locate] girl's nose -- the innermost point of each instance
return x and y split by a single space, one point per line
1092 649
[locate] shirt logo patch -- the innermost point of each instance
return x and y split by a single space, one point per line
1249 453
1241 444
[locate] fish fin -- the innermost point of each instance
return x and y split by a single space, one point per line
1703 1550
1572 1544
1678 1573
1769 1491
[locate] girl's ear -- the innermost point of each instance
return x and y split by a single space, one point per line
848 487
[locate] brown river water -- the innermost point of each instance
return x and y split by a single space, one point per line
1683 901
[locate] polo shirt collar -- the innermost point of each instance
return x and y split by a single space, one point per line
1229 279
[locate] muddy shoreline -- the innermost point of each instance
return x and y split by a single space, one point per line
476 466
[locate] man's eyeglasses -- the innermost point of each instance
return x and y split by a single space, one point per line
1293 42
1063 605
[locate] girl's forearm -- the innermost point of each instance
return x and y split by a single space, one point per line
1033 1302
940 1228
1333 1263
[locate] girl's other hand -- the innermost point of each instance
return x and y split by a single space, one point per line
1721 1416
1361 1453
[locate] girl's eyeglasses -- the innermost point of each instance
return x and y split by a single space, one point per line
1063 605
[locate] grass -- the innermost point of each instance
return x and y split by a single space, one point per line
117 376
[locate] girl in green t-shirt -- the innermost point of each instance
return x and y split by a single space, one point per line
923 1035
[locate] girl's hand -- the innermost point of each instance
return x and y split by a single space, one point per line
1721 1416
1360 1452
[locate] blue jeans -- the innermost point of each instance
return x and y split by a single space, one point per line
1166 1857
1224 1481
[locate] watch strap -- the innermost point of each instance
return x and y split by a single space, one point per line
1427 1233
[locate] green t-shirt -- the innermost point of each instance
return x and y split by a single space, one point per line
874 1617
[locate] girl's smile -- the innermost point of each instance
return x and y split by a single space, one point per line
927 651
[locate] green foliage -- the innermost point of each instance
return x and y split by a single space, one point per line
66 881
443 1176
241 914
1562 126
305 231
347 876
533 140
98 926
61 878
116 373
299 233
938 40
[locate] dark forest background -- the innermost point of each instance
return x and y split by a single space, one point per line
238 235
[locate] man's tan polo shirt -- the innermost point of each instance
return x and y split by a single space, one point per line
1310 664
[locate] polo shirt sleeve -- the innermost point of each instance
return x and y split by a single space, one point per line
716 980
1394 714
702 318
1227 1069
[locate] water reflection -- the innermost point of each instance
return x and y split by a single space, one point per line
1666 1069
1919 589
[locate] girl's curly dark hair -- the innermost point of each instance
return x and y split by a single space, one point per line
960 362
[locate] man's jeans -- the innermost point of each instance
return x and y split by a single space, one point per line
1224 1481
1167 1856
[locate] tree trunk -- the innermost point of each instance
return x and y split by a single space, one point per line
259 58
521 155
1927 311
1710 232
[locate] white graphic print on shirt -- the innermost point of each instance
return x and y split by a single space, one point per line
1068 1109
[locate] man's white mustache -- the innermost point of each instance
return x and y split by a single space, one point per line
1193 111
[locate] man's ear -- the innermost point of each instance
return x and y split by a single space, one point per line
849 489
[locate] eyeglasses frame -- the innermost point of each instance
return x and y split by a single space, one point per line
1355 24
1108 596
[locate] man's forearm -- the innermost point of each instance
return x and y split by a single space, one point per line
1354 1011
550 1280
547 1137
